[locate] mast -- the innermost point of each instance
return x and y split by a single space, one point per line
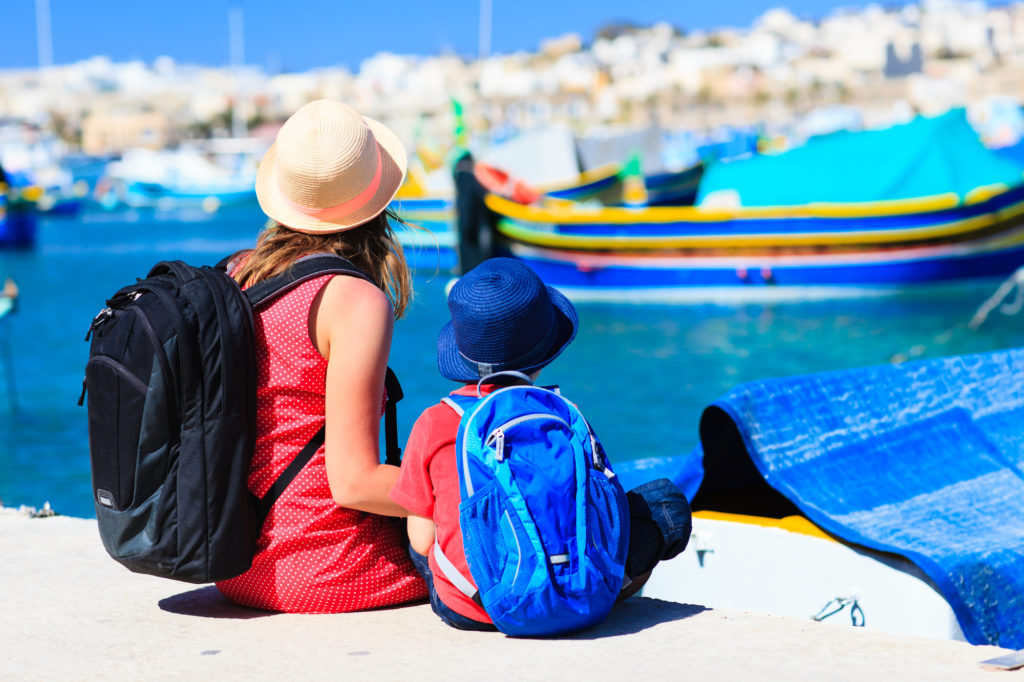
44 36
484 45
236 46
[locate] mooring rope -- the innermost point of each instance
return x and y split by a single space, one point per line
1012 286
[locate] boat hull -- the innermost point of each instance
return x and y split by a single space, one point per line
883 269
18 225
839 247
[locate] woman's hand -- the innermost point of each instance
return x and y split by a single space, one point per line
351 321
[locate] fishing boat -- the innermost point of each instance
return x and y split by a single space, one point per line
18 219
209 176
735 242
428 233
430 238
888 497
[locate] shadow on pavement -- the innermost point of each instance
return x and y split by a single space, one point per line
208 602
638 614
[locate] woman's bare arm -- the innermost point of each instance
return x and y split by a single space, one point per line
352 325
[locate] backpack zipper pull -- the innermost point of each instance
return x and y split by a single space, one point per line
101 317
499 444
81 398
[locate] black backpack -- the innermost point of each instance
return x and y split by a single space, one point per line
171 382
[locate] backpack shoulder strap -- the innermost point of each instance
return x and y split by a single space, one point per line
302 270
459 409
460 403
261 294
393 453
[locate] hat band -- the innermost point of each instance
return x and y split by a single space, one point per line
526 360
339 210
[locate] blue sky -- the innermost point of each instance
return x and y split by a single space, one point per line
297 35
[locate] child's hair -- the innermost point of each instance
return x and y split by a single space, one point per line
371 247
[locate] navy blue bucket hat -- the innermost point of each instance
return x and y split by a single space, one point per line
503 318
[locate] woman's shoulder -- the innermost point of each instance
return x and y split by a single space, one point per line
346 304
343 292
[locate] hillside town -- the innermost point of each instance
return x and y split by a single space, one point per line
882 63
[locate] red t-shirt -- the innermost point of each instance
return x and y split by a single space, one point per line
312 555
428 486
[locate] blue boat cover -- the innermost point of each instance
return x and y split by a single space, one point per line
923 460
924 157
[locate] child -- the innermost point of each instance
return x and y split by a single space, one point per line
504 318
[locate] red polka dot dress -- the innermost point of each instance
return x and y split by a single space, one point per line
313 556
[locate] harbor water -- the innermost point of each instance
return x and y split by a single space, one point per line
642 373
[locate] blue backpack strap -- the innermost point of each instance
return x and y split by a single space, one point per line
454 404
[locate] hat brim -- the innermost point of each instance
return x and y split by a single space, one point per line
394 159
451 365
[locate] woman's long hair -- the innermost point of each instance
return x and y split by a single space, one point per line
371 247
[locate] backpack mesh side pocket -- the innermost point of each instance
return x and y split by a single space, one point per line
486 551
607 518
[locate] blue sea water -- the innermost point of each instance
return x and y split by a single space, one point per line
642 373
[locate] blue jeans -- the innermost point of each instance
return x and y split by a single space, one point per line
659 528
659 525
456 620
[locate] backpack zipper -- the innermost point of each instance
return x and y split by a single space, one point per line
120 369
161 357
178 323
480 403
497 436
222 324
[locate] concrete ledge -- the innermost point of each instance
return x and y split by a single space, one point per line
70 612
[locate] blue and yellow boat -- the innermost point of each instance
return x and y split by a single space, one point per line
892 234
430 239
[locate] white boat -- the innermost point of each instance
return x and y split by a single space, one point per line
789 567
211 175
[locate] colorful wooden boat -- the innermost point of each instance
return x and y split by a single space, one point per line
430 238
682 251
18 219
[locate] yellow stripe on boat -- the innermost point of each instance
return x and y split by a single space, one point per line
794 524
984 193
601 172
541 237
582 214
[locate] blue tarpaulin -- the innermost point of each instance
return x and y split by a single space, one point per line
923 460
925 157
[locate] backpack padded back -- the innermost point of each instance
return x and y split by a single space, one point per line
544 520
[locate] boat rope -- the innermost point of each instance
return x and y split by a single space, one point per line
1013 284
837 604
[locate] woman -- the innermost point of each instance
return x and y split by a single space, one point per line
331 542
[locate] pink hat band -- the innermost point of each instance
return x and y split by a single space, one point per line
338 210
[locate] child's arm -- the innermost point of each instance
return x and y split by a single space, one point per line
414 489
421 534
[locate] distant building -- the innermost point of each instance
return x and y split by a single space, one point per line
114 132
898 67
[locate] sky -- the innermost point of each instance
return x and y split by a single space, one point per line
297 35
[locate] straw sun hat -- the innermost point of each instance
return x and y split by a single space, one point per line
330 169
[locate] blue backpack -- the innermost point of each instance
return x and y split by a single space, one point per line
545 522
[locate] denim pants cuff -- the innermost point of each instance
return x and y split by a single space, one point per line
660 525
